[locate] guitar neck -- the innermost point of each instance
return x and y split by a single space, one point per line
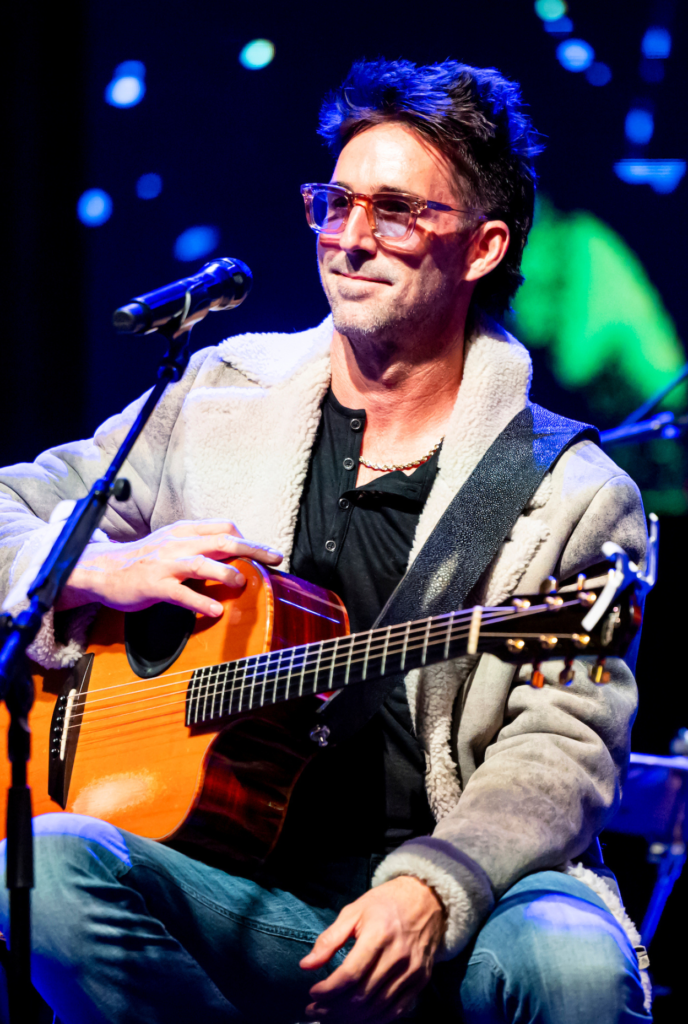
218 691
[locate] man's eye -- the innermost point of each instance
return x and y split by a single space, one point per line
392 206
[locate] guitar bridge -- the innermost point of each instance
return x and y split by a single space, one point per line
64 730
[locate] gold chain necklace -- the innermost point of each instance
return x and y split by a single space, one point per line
407 465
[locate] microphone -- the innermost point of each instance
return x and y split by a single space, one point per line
221 284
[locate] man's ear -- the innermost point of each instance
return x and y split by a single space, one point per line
486 249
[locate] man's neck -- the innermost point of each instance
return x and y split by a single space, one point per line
406 393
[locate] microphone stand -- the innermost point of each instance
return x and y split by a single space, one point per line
640 425
16 687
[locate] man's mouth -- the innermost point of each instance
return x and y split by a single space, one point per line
361 277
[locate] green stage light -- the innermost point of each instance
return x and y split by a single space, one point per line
588 300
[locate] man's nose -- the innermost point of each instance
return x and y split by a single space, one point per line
358 232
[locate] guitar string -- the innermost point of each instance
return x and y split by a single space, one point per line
488 615
417 623
171 707
310 650
279 685
420 625
208 689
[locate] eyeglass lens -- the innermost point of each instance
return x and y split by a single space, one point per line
331 212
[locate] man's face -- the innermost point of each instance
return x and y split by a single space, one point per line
376 287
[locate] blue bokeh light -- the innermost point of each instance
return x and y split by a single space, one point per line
575 54
598 73
149 186
550 10
128 86
560 27
656 43
640 125
196 242
662 175
257 54
94 207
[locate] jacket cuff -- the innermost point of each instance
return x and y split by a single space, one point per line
46 649
459 882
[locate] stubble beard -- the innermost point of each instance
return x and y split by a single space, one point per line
386 328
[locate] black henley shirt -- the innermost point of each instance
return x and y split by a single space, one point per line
367 795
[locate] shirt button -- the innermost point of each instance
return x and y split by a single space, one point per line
344 503
355 424
348 463
330 545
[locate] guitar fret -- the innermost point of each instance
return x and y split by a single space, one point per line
287 684
208 678
219 669
265 675
384 651
316 670
348 660
366 655
332 663
426 638
242 687
256 663
447 639
277 671
306 652
198 695
404 646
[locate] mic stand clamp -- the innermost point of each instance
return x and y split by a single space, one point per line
16 686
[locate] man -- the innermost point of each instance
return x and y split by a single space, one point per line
337 451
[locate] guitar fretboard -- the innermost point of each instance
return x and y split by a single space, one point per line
218 691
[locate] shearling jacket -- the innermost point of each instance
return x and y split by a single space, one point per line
519 779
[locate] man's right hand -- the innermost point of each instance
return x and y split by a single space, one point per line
140 573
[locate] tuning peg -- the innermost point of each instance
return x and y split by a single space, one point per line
548 585
537 679
598 673
580 582
587 598
514 646
581 640
566 674
548 642
521 604
553 601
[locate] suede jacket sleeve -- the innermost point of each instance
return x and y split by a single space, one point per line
542 786
31 494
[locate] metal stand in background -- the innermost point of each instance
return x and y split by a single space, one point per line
641 426
16 687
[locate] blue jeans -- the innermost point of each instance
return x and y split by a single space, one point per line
125 929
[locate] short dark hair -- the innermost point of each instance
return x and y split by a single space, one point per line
473 115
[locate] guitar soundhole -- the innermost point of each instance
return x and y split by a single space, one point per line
155 637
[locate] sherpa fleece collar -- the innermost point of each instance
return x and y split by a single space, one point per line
494 388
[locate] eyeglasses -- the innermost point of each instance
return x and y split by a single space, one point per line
394 213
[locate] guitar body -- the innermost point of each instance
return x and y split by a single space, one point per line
129 757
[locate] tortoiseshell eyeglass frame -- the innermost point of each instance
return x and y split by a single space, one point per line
416 204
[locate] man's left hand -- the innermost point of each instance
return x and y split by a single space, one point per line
397 927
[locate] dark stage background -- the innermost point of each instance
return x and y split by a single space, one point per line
231 145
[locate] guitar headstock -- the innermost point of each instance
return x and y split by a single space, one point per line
600 616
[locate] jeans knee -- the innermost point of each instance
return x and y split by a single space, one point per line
556 951
68 849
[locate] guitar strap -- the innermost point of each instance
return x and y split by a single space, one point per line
465 540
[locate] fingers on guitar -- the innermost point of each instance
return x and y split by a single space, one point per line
203 568
235 547
187 598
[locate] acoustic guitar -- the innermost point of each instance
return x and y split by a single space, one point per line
195 731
